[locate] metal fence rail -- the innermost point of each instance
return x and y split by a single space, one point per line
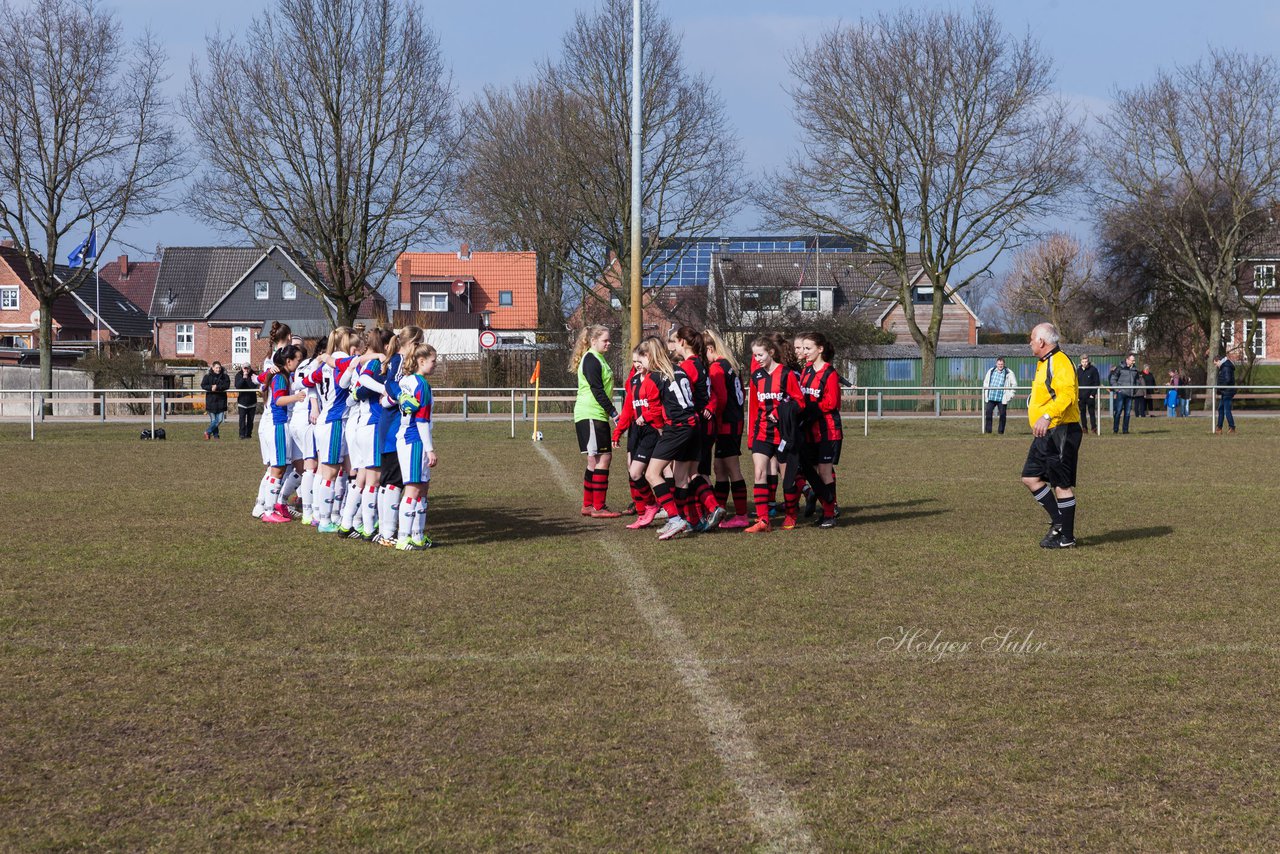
152 405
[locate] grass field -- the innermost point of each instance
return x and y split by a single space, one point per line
175 675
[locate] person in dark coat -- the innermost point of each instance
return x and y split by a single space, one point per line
1149 401
1088 380
246 400
1226 383
215 385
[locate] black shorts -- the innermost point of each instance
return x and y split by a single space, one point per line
1053 457
678 443
391 469
594 437
641 443
760 446
729 445
824 451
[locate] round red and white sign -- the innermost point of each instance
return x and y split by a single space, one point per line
488 339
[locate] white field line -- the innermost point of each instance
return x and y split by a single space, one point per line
770 807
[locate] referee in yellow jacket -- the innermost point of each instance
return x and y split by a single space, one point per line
1054 412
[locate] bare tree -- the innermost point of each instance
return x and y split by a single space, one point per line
86 139
1190 164
514 170
931 134
691 179
327 128
1053 280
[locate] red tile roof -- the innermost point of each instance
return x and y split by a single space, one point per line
137 283
493 272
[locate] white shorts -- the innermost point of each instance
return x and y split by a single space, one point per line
303 435
413 463
361 446
283 450
331 441
267 438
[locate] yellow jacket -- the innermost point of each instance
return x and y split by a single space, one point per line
1054 391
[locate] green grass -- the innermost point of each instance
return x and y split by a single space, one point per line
174 675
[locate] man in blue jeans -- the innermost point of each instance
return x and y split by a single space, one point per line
1226 383
1124 381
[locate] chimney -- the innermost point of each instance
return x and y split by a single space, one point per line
124 266
464 253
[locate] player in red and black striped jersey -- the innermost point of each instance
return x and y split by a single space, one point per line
677 443
704 512
824 433
727 405
775 389
638 416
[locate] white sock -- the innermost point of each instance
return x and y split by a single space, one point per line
263 495
273 492
420 526
388 511
305 490
292 480
369 510
323 498
408 513
350 506
339 495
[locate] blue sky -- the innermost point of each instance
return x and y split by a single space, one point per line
743 44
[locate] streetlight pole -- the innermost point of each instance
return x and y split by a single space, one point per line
635 173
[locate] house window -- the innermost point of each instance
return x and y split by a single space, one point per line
505 298
1255 337
899 370
433 302
808 300
240 345
1264 276
8 297
288 290
261 290
1228 334
186 339
767 300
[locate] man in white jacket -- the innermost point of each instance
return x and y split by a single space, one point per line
997 390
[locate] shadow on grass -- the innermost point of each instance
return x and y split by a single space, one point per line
859 518
1124 535
911 502
460 524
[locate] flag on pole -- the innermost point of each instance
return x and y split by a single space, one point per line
537 372
86 252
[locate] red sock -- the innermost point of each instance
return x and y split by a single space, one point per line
602 487
589 489
662 495
792 499
773 487
739 488
638 496
762 501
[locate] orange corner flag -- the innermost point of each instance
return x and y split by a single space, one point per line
537 371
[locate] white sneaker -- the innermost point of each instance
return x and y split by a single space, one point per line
676 527
258 511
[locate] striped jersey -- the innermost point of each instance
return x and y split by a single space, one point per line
821 403
769 390
726 396
389 421
279 388
333 397
415 409
368 409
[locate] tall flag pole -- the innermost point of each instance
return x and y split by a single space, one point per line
536 379
636 83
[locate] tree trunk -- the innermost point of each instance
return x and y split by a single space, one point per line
347 313
1215 345
46 344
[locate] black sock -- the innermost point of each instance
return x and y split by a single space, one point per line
1067 511
1050 504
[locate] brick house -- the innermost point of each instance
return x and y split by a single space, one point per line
217 303
135 280
1256 323
455 294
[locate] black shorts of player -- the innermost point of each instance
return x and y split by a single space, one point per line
642 441
678 443
729 445
822 452
1053 457
760 446
594 437
706 448
391 470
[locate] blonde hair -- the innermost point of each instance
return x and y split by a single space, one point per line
585 337
659 360
408 338
340 339
712 341
421 351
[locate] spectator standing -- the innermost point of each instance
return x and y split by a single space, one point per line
246 400
1149 394
1124 382
1171 396
998 387
1088 380
215 385
1184 394
1226 392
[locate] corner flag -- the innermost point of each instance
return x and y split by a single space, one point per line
86 252
537 372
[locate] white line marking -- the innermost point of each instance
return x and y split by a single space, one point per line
769 805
